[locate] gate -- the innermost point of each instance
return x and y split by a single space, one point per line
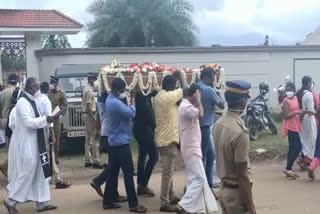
13 57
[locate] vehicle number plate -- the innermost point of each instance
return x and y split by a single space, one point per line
76 134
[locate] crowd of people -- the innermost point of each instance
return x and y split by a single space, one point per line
300 113
164 123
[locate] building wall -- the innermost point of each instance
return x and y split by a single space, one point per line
33 43
253 64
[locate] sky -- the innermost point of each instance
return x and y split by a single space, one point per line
223 22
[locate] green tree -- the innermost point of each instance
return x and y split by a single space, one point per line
55 41
141 23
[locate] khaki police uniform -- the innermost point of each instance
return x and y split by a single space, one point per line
57 98
5 105
92 149
232 146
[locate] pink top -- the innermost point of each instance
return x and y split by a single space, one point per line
189 130
316 104
294 123
315 99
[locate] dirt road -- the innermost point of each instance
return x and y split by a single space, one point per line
273 194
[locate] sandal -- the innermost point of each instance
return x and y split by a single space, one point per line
180 210
290 174
62 184
47 208
111 206
295 174
311 174
138 209
302 164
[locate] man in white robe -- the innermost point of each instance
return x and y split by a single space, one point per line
25 173
45 108
198 197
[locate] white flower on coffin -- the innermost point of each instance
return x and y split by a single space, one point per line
144 70
115 64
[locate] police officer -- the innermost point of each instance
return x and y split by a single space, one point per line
89 110
5 106
57 98
232 146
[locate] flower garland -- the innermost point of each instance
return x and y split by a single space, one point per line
147 69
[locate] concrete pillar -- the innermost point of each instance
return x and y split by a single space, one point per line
33 42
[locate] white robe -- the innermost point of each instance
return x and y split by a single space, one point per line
198 197
308 136
25 174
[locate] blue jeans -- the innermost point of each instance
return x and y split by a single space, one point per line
294 148
208 155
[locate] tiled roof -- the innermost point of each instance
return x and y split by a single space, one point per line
36 19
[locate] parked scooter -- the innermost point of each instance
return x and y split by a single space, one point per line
258 116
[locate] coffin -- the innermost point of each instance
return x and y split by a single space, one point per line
146 75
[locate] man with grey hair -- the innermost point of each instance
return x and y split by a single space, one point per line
28 160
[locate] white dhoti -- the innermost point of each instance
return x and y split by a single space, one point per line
198 197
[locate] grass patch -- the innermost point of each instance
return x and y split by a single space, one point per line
275 145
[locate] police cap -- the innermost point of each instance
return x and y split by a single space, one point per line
53 79
13 79
237 90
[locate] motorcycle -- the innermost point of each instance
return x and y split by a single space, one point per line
258 116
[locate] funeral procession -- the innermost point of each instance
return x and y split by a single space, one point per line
149 106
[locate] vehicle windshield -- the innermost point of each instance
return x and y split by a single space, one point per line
73 84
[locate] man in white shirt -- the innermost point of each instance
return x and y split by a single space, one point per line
44 105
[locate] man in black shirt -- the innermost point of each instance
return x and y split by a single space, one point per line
143 130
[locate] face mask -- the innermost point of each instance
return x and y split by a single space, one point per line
51 87
243 112
37 95
122 95
290 94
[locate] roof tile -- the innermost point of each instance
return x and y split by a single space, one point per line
36 19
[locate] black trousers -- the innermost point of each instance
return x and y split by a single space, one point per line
104 175
120 157
294 150
147 148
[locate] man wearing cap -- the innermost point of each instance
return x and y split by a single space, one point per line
92 148
5 105
232 146
209 100
57 98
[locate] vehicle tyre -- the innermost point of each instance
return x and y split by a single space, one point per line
252 128
272 125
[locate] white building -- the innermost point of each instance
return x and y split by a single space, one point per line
31 24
